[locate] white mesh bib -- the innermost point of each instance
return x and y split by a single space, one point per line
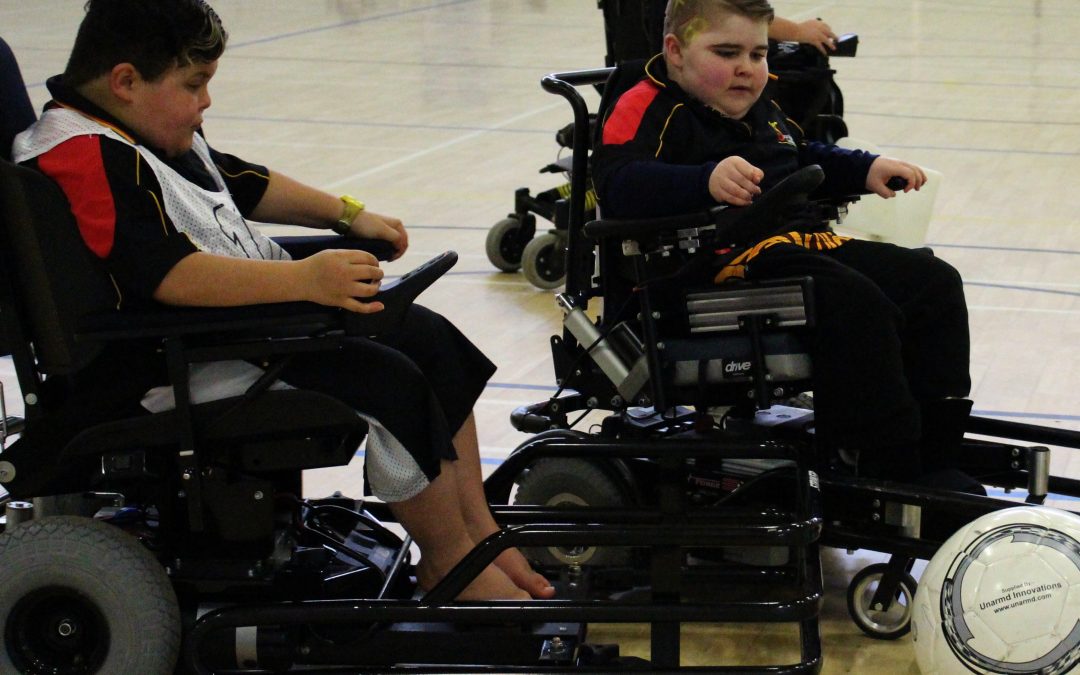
210 219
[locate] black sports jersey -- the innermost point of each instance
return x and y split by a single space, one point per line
660 145
117 199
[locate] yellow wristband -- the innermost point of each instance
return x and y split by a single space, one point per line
353 206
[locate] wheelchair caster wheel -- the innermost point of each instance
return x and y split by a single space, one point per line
543 262
81 596
504 245
571 482
882 623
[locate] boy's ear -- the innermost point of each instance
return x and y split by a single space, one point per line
122 81
672 51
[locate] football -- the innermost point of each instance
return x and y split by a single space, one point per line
1002 595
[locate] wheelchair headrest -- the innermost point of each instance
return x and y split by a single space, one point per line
16 111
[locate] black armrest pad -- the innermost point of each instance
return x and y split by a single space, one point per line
637 228
178 321
304 246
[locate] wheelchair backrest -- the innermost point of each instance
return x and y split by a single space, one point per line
16 111
51 281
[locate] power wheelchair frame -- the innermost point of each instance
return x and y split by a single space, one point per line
135 540
736 346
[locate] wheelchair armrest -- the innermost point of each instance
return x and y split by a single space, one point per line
303 246
283 319
645 227
734 224
167 322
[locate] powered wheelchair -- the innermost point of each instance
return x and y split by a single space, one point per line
179 541
633 31
657 364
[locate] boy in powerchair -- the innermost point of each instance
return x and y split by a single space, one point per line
891 344
168 216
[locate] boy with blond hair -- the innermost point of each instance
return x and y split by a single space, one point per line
168 216
891 343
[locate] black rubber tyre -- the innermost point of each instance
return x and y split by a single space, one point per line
80 596
543 262
882 624
571 482
503 245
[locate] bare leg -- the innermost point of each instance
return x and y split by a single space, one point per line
434 520
478 519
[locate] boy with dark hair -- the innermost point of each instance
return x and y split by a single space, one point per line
168 216
891 345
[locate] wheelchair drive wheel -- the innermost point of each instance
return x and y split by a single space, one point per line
81 596
882 623
543 262
504 246
571 482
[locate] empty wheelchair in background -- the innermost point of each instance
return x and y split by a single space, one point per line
633 29
653 371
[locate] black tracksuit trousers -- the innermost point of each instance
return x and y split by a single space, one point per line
891 336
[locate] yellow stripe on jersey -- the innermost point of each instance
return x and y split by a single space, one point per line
814 241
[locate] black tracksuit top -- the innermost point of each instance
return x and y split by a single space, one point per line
659 145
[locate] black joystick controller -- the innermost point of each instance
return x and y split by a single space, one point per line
397 294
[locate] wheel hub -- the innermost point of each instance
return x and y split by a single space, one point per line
579 554
57 631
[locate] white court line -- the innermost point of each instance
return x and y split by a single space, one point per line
488 281
991 308
441 146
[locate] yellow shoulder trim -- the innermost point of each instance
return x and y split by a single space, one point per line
664 130
161 212
648 73
237 175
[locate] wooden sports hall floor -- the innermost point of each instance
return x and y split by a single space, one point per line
432 110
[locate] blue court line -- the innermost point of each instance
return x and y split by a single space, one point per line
375 125
437 127
1022 494
977 120
998 151
983 284
474 273
345 24
978 247
980 412
448 227
419 64
1007 249
529 387
1026 415
1029 289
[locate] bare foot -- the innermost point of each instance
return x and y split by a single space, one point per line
491 584
514 564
